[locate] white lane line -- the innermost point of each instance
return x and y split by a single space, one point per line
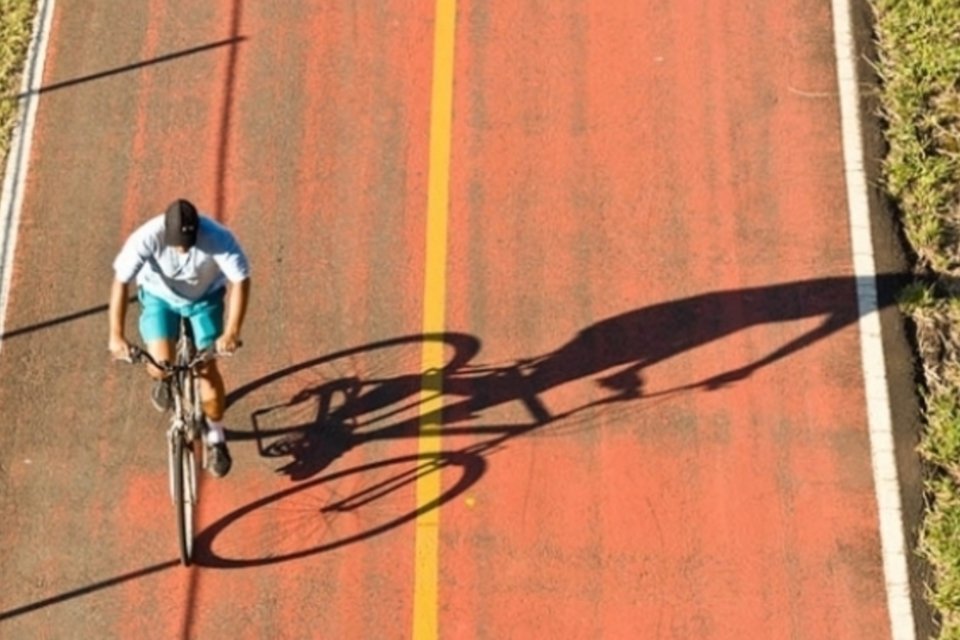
886 483
11 198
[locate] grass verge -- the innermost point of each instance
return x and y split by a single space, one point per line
16 20
919 65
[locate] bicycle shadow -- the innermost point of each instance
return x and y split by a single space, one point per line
350 409
613 353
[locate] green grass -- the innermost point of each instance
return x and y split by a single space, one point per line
919 62
919 65
16 19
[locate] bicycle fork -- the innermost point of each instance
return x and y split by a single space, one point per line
179 431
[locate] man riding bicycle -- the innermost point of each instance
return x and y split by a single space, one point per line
185 265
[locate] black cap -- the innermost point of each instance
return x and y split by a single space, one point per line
181 224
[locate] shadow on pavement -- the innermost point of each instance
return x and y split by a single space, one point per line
353 407
87 590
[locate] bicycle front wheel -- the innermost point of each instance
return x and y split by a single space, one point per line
183 466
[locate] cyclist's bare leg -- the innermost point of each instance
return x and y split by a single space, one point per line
212 391
162 351
212 398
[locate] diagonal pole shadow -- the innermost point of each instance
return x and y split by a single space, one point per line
232 42
89 589
70 317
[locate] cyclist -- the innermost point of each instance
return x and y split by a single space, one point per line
188 265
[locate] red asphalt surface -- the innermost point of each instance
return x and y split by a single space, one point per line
655 422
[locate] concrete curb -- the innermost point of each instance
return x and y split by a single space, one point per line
890 375
18 162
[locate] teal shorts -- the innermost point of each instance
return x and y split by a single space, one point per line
160 320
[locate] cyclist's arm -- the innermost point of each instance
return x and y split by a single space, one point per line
117 314
232 260
238 294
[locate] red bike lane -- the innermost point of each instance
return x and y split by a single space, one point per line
649 221
303 127
654 421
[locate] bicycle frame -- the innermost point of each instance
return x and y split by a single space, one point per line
185 432
185 424
188 410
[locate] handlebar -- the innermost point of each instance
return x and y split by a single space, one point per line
139 354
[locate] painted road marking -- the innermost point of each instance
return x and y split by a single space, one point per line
434 311
11 198
879 421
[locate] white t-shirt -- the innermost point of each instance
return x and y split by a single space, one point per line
181 278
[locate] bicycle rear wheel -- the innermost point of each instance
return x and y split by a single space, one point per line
183 466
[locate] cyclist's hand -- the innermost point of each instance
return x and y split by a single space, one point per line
228 343
724 379
120 349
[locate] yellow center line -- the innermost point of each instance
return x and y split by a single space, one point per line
426 566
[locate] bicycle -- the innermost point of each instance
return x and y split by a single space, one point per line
185 434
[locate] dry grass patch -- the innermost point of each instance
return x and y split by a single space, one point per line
16 20
919 65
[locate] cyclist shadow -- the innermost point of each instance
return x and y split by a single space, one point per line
611 353
319 423
312 446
